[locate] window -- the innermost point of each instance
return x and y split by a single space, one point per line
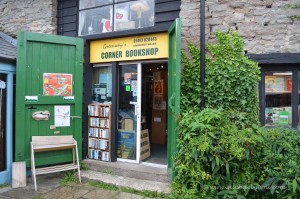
278 95
102 84
101 16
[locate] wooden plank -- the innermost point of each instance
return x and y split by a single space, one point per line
167 6
69 11
275 58
70 27
52 140
70 3
166 16
54 169
18 174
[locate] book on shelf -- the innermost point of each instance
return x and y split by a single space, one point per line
98 143
98 155
270 82
99 111
99 133
99 122
289 85
280 84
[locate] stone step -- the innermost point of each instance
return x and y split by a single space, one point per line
157 173
122 181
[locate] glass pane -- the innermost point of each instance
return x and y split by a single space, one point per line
278 88
2 124
127 128
102 84
93 3
95 21
134 14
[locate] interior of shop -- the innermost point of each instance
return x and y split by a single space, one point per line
154 110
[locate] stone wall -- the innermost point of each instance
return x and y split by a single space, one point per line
28 15
265 25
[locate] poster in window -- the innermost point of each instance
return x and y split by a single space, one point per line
158 87
127 78
56 84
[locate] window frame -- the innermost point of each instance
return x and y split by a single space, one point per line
294 95
113 4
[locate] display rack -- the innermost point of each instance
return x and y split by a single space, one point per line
99 132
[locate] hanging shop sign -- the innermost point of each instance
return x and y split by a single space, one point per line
152 46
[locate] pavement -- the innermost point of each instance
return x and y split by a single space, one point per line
49 187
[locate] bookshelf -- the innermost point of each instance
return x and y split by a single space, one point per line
99 129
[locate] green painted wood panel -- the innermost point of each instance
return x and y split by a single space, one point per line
38 54
174 73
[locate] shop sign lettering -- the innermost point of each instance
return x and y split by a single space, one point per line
130 48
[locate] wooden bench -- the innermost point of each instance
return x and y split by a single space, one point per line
53 143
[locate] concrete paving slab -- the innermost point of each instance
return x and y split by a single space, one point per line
100 194
122 181
66 192
124 195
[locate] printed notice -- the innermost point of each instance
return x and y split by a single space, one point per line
62 116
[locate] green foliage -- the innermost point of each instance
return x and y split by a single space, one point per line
231 79
281 154
222 150
218 159
83 166
69 178
145 193
190 79
3 185
293 6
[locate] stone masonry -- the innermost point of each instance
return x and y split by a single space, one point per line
265 25
28 15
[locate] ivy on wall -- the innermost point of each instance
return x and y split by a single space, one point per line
231 79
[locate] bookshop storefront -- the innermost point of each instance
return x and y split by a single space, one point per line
130 87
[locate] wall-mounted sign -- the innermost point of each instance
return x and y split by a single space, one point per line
56 84
138 47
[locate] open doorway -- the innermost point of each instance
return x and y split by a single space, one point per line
154 110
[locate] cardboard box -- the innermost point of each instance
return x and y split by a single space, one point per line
127 124
145 145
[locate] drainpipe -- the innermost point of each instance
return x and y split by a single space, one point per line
202 50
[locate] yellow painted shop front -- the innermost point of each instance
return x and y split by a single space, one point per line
130 75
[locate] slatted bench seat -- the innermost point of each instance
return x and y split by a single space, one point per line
53 143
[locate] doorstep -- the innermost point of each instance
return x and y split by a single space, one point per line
157 173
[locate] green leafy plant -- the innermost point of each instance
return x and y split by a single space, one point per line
222 150
83 166
69 178
231 79
145 193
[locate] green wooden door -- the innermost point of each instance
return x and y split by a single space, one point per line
49 78
174 72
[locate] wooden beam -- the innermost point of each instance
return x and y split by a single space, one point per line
275 58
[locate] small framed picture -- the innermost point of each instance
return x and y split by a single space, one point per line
158 87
